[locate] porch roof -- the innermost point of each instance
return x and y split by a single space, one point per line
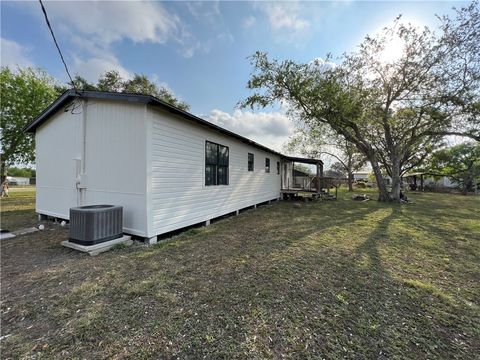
303 160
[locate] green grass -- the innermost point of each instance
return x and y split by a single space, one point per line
17 211
338 279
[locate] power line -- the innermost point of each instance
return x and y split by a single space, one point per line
56 44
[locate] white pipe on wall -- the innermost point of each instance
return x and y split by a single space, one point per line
80 161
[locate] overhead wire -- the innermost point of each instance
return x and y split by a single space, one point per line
60 53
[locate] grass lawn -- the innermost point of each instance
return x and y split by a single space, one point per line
339 279
18 211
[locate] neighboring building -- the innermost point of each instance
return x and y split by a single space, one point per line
18 180
168 169
361 175
364 176
426 181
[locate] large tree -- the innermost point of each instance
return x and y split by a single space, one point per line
395 98
24 94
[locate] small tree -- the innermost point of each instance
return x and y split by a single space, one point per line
24 94
110 81
461 163
83 84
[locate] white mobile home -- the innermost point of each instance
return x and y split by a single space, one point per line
168 169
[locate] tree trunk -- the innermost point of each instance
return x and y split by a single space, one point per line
350 181
350 172
383 194
3 168
396 180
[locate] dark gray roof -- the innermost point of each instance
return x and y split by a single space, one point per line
69 95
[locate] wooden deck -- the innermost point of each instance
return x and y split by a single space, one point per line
297 190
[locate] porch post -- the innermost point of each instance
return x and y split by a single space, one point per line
293 174
318 178
281 174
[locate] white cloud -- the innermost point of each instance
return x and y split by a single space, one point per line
285 19
249 21
93 27
268 129
102 23
205 11
106 22
92 68
13 54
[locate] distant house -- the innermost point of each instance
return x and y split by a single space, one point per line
364 176
18 180
361 175
168 168
426 181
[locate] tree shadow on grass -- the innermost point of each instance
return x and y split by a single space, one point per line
350 305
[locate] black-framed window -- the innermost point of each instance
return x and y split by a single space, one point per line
250 162
278 167
216 164
267 165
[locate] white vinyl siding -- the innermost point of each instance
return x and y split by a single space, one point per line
115 167
57 144
178 195
148 161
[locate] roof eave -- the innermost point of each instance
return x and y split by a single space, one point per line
32 125
153 101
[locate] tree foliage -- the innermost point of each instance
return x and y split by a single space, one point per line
24 94
21 172
461 163
139 84
394 110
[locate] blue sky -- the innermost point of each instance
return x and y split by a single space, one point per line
198 49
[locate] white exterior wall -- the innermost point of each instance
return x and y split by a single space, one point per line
147 161
115 161
57 144
177 195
